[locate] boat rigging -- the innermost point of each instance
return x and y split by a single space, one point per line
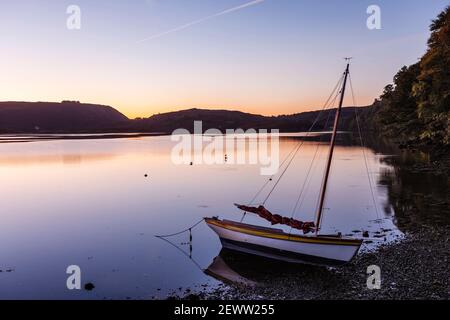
275 243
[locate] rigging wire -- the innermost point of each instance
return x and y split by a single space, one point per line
363 150
293 152
321 197
271 178
291 156
300 144
313 164
363 147
322 180
300 198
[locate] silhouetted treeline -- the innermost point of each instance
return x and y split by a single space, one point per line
75 117
223 120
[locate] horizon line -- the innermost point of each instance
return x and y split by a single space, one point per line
182 109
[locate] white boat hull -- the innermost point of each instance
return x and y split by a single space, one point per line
281 246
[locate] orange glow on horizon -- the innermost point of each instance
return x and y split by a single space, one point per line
273 109
144 110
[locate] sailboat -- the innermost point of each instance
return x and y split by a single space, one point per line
296 248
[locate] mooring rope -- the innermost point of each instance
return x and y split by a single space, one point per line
181 232
164 237
189 256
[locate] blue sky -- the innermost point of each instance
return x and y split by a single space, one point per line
276 56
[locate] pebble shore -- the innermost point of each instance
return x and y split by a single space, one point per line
416 267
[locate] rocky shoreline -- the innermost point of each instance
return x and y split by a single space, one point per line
415 267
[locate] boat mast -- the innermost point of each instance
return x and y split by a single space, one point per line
330 155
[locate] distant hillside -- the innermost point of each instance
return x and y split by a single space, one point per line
65 117
223 119
75 117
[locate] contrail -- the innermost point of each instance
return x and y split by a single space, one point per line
187 25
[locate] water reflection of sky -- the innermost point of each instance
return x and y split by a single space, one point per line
87 202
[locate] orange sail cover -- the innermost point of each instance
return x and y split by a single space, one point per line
306 227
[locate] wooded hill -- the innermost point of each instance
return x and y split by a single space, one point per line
414 110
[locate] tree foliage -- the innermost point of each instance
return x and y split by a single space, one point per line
415 108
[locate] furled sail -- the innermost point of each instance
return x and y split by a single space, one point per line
306 227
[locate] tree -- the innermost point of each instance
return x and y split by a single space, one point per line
398 113
416 107
432 89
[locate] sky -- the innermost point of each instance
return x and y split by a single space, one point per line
151 56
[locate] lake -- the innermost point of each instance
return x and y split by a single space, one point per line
89 203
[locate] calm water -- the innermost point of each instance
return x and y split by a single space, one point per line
88 203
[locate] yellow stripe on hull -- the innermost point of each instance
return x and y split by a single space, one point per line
283 236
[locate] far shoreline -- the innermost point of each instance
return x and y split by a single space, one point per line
30 137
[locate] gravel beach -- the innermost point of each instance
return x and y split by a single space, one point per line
414 268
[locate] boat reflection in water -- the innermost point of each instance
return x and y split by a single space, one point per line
248 270
228 267
224 269
237 268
